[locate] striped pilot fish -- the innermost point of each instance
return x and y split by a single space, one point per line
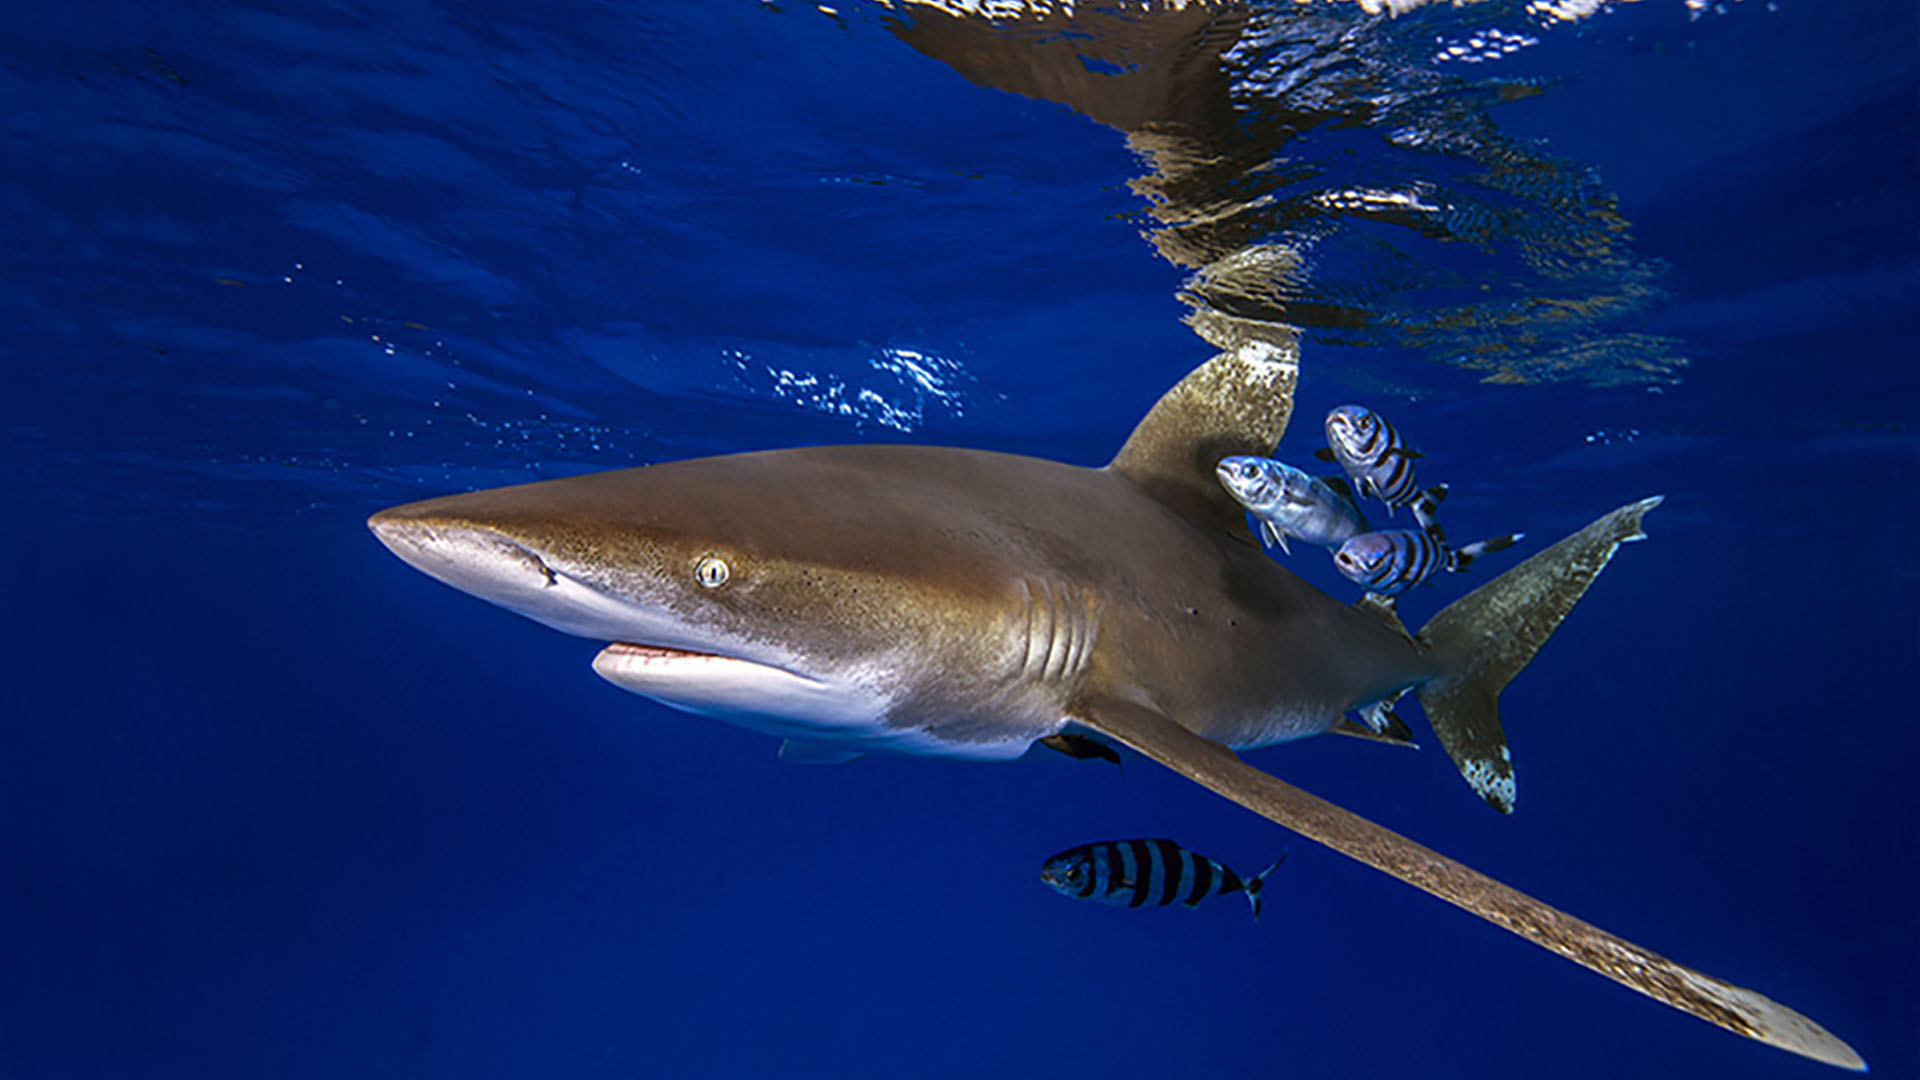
1392 561
1285 501
1375 457
1138 872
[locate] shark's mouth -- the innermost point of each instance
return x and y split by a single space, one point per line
746 692
643 653
633 658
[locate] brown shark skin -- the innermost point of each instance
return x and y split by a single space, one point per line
948 545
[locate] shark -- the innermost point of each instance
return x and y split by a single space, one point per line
968 603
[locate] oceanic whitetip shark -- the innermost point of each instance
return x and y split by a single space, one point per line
934 600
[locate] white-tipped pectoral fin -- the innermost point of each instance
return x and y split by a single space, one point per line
1212 765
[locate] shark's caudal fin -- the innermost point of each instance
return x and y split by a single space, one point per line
1737 1009
1486 637
1239 402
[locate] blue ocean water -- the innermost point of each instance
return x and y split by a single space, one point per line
278 805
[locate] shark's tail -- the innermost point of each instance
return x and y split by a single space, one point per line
1485 638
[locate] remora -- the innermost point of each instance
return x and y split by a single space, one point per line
946 601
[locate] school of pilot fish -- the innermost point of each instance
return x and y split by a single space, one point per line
1285 501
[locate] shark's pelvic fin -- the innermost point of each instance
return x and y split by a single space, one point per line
1486 637
817 752
1239 402
1738 1010
1081 748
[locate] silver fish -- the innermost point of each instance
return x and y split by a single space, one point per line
1288 502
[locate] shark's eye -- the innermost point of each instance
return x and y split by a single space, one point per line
711 572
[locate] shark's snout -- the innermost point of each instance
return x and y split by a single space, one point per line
504 562
470 558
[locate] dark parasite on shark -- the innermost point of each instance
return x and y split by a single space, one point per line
948 601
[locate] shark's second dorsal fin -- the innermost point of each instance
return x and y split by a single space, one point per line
1236 403
1382 608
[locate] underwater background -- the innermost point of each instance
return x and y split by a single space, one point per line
276 805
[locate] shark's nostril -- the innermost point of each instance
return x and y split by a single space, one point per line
517 552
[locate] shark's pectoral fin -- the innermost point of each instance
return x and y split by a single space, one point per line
817 752
1152 733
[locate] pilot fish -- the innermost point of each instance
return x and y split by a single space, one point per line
1137 872
1375 457
1392 561
1285 501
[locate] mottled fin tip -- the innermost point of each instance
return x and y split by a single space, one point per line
1489 635
1239 402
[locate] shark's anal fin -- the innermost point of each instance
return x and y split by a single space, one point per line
1379 721
1214 766
1394 733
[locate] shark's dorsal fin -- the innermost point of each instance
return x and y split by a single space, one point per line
1236 403
1153 733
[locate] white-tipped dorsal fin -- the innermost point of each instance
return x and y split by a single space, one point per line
1236 403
